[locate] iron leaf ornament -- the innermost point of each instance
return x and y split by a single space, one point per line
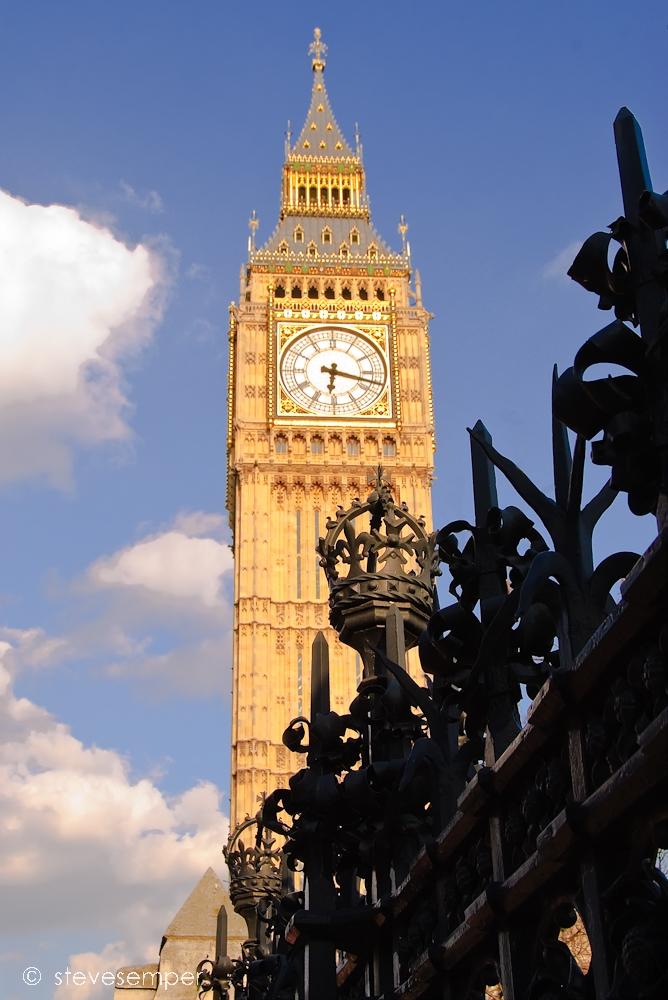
631 410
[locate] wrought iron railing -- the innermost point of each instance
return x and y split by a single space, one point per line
445 849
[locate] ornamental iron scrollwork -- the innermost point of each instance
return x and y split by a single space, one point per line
631 410
441 844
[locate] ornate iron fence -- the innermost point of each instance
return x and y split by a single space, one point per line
446 849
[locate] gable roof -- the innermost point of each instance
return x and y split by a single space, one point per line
197 916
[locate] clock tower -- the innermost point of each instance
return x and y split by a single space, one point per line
329 377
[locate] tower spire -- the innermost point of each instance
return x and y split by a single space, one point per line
321 137
324 179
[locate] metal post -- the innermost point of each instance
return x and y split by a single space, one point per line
221 934
319 893
645 240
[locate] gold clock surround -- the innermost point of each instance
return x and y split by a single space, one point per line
371 323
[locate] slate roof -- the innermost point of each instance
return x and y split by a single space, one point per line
321 135
340 228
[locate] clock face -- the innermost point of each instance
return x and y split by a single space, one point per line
333 371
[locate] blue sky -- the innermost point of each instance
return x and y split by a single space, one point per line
162 123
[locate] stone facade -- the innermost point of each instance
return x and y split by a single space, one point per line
323 273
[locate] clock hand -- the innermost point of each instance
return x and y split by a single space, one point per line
332 373
335 371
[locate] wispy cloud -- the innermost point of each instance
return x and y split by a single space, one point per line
150 201
198 272
556 268
203 331
155 614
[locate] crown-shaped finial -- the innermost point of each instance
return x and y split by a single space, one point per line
392 562
318 50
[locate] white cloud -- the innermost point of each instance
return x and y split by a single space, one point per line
86 848
150 202
156 614
95 972
74 302
557 267
171 564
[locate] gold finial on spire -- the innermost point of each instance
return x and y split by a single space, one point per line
318 50
358 141
403 229
253 224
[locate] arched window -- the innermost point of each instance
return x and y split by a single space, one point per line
324 196
335 445
301 193
346 196
345 291
355 237
312 249
313 194
296 292
281 444
335 196
279 291
373 252
283 248
363 292
380 294
299 234
389 448
327 235
329 292
343 250
317 446
353 447
312 291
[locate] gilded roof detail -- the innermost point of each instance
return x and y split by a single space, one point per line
324 193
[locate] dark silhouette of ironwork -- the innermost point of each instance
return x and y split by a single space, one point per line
632 409
434 844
